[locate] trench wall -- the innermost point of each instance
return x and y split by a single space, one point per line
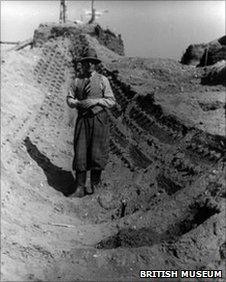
141 135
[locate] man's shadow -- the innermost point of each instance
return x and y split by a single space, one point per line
59 179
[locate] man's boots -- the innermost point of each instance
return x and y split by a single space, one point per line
80 184
95 180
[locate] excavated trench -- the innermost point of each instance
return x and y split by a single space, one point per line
168 155
131 238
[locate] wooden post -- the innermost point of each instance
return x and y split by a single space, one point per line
10 42
93 13
63 11
206 56
22 45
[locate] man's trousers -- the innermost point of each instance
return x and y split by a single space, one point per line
91 142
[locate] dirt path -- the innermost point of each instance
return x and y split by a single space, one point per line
161 204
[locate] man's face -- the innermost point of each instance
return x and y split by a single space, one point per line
88 67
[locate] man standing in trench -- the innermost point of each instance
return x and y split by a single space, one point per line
90 95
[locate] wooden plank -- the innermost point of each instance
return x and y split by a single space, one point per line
9 42
22 45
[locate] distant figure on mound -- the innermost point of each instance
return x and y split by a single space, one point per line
90 94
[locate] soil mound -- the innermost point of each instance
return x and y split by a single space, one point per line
48 31
205 54
216 74
193 54
212 55
161 204
222 40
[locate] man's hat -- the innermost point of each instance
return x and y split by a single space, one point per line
90 56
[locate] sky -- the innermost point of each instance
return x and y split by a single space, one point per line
148 28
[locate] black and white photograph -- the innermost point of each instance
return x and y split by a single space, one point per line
113 140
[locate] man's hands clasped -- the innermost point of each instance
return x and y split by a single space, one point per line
86 104
82 105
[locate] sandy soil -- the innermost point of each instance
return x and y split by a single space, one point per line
161 205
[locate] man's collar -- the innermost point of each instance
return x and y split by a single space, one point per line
93 73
